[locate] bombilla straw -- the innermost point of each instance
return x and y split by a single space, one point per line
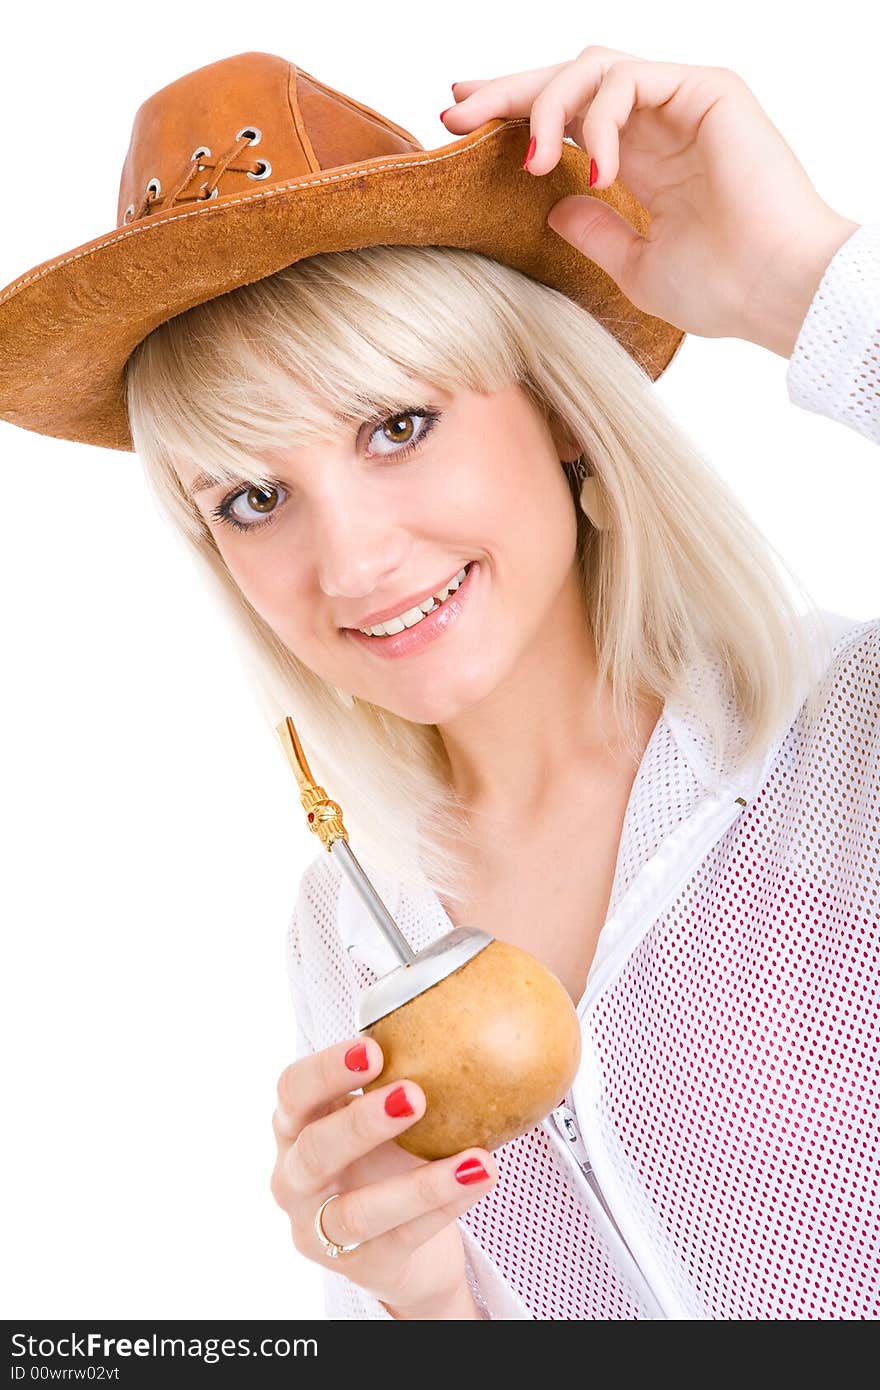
325 819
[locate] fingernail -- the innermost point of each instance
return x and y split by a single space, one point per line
531 150
356 1058
396 1103
453 87
471 1170
594 172
443 113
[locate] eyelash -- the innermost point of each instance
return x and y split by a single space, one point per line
223 511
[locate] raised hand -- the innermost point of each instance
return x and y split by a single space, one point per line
739 237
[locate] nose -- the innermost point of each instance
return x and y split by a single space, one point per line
357 543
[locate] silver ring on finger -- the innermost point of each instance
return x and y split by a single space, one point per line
333 1250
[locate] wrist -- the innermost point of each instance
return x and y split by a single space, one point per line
459 1307
789 290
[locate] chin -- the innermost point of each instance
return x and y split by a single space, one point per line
444 705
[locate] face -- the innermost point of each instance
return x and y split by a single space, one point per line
376 522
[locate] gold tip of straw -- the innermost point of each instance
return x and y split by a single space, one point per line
324 816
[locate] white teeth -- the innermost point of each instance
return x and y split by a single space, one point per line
414 615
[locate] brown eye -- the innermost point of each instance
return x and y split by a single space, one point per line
262 499
404 432
253 500
399 428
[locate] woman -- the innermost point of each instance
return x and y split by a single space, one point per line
602 732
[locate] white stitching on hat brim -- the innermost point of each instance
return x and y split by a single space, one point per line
462 148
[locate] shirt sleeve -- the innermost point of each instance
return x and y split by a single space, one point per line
834 368
301 1011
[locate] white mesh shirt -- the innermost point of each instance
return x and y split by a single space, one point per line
717 1155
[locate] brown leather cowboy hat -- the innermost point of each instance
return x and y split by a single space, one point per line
247 165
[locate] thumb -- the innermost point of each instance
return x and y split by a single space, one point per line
598 232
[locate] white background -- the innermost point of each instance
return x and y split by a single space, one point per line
152 836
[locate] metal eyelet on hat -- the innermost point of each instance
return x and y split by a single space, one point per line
255 135
264 172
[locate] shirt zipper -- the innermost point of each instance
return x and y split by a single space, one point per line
566 1124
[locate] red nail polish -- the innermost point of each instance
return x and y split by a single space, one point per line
356 1058
531 150
443 113
453 87
471 1170
396 1103
594 172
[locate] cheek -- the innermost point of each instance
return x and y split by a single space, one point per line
269 583
533 510
489 501
463 497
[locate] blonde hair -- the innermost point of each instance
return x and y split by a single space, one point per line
337 339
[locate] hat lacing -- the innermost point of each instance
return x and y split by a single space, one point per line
200 160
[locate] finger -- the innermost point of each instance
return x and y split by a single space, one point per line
328 1145
311 1085
511 95
461 90
627 86
402 1240
514 93
601 234
568 96
411 1207
286 1129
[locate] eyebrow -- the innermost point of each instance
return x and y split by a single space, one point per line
202 482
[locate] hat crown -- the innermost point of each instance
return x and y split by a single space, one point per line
237 124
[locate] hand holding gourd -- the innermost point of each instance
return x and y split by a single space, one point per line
399 1210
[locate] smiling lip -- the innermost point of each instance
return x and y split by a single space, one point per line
382 615
421 634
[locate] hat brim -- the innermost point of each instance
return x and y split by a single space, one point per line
68 326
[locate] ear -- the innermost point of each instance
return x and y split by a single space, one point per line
565 446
